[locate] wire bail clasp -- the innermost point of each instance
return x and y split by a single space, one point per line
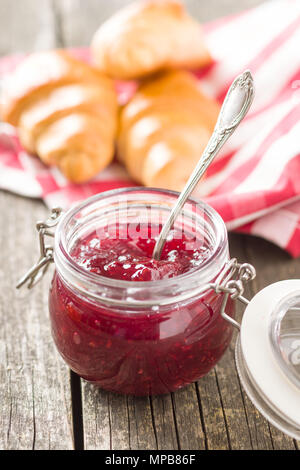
231 282
35 274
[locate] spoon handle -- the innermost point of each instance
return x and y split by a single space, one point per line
235 106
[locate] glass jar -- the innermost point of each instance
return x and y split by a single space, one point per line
155 337
140 338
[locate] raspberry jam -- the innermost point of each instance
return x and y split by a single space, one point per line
126 322
128 254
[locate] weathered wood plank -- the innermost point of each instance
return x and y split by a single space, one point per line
116 422
188 419
210 404
164 422
141 427
26 26
96 418
35 389
35 393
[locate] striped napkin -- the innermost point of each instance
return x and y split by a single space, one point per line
255 182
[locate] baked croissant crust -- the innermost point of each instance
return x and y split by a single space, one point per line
164 129
65 111
146 37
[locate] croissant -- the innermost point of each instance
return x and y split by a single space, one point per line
164 128
146 37
65 111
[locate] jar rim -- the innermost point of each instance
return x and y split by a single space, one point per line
63 259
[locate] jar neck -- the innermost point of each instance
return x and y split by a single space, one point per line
135 204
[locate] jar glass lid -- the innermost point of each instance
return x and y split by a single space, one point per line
268 354
285 336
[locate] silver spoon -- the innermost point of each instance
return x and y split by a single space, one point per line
235 106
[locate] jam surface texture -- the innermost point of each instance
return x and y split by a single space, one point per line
140 352
125 252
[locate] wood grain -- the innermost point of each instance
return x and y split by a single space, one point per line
35 394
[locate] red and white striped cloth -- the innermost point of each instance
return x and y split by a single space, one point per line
255 183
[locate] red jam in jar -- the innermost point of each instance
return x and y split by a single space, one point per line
128 254
125 321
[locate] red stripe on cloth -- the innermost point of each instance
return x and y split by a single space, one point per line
223 206
9 151
101 186
241 205
293 247
292 87
292 174
74 192
10 160
238 206
200 74
47 182
219 164
246 228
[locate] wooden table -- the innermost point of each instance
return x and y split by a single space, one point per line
43 405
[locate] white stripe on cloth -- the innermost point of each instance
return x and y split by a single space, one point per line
245 219
26 184
246 152
274 74
268 226
250 125
272 164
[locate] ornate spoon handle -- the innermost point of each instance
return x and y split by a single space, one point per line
235 106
